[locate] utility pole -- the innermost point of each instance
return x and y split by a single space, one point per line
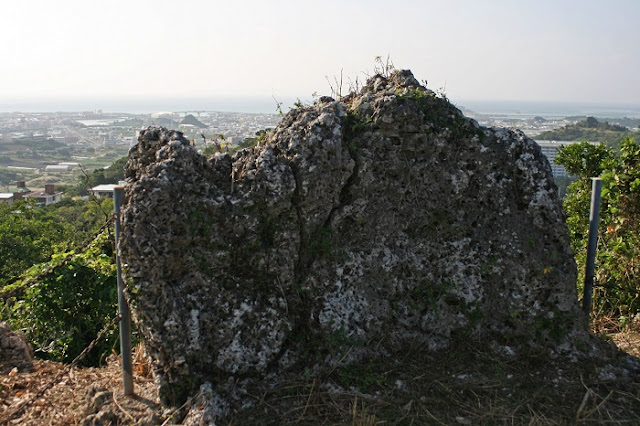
594 216
125 313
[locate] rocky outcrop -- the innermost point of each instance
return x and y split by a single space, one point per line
15 350
379 220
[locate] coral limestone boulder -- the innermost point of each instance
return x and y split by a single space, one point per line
380 220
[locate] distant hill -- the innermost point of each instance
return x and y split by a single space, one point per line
590 130
190 119
629 122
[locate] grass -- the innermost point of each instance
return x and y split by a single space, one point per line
466 384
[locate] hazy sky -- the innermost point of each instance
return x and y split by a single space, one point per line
560 50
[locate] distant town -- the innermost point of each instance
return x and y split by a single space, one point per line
46 152
39 150
88 132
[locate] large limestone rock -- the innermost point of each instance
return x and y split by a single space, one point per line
384 219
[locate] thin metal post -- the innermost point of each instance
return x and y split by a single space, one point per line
125 314
589 273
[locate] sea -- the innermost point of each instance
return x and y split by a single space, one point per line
526 109
273 105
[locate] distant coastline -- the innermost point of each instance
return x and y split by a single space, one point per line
549 109
268 105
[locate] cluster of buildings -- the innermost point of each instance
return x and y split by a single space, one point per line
233 126
45 197
49 195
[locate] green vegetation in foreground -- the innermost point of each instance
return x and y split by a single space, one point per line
68 307
69 302
590 130
617 284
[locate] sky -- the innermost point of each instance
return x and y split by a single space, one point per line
524 50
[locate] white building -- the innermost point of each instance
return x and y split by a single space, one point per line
550 150
7 197
57 168
105 190
71 165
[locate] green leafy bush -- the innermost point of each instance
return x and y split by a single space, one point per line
67 308
27 235
617 283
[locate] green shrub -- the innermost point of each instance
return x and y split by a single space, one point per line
617 282
67 308
27 235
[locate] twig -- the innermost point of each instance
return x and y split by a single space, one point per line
93 196
122 409
340 361
599 405
313 385
187 402
437 420
583 404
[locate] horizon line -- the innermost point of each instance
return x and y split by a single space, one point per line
270 105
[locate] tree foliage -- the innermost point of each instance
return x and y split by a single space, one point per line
31 234
71 302
66 310
27 236
617 286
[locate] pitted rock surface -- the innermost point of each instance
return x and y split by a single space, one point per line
15 350
383 219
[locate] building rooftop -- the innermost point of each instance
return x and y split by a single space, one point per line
104 187
43 193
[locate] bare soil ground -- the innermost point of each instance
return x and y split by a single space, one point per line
464 385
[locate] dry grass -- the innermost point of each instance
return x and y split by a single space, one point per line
463 385
66 403
628 341
626 337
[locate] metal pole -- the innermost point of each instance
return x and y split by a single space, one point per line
125 314
589 273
